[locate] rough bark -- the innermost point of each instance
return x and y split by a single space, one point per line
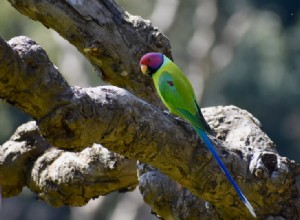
133 128
16 156
74 118
109 37
170 200
61 177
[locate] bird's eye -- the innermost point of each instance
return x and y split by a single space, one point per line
149 59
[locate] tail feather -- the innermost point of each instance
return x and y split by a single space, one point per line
210 146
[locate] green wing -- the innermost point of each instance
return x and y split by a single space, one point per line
178 95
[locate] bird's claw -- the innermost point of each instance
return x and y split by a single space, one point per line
177 119
166 112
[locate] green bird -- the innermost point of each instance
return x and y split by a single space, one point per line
177 93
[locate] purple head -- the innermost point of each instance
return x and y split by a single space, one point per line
151 62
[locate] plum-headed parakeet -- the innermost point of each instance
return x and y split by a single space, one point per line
177 94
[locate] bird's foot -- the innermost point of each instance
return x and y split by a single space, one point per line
177 119
166 112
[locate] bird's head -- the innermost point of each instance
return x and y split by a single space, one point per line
151 62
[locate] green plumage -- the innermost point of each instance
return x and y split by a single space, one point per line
177 94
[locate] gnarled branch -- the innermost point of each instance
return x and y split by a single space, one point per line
109 37
61 177
125 124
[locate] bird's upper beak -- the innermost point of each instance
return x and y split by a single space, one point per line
144 68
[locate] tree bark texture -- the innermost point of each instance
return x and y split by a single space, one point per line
62 157
109 37
61 177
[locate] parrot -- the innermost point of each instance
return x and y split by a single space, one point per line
177 94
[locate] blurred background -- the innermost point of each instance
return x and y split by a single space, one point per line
238 52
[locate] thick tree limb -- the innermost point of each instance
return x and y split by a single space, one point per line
60 177
23 85
16 156
169 199
127 125
67 178
111 39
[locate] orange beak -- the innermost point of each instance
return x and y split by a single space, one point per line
144 68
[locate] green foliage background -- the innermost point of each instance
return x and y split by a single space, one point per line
252 61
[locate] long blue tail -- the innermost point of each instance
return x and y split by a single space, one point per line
210 146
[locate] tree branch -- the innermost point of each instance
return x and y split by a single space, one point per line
17 154
109 37
60 177
169 199
131 127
